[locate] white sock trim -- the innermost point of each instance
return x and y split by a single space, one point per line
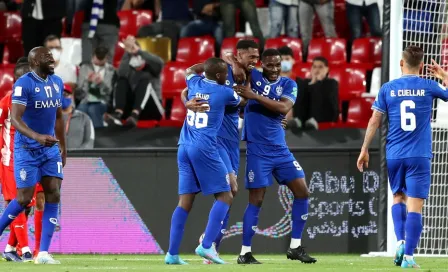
10 248
409 258
26 249
245 249
295 243
401 242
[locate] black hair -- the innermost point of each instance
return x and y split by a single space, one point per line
270 53
50 38
286 51
246 44
212 66
101 52
22 60
413 56
20 64
322 59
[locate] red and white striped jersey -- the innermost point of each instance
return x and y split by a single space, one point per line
8 131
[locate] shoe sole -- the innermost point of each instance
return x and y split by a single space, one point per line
210 258
295 259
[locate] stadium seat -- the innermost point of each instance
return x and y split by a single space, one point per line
10 26
6 79
132 20
293 43
229 44
366 52
302 70
173 79
71 50
375 84
359 112
195 49
13 50
178 113
333 49
78 18
147 123
352 82
118 54
160 46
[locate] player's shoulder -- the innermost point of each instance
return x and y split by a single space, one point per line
287 81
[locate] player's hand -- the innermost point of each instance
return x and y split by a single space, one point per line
436 71
239 73
284 123
46 140
245 91
233 184
196 105
63 156
363 160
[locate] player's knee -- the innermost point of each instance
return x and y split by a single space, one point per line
40 201
24 199
399 198
53 196
226 197
256 196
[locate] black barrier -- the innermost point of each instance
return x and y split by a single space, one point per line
343 205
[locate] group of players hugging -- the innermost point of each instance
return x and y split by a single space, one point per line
208 154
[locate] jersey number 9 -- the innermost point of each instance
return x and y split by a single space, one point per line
408 122
197 119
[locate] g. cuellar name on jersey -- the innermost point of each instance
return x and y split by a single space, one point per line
394 93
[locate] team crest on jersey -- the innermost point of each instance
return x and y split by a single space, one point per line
37 89
258 83
56 87
251 176
227 82
279 90
23 174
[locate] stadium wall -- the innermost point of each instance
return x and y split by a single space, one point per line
121 201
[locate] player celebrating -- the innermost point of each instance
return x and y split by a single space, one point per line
268 154
36 114
200 166
407 101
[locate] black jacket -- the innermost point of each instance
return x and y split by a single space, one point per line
51 9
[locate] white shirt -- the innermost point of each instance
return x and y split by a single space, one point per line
361 2
288 2
66 71
37 11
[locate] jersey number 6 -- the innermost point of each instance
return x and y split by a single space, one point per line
197 119
408 122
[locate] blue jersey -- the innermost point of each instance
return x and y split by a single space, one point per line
42 98
261 125
229 128
408 103
201 129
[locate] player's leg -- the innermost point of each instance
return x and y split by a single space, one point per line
418 182
38 214
289 172
10 253
396 173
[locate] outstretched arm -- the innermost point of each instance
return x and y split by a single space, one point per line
436 71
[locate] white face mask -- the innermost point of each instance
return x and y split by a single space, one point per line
136 61
56 54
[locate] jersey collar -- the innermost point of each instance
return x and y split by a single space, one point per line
410 76
275 82
38 77
210 81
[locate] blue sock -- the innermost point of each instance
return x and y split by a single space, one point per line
11 212
414 227
250 220
49 221
221 233
299 216
215 220
177 229
399 215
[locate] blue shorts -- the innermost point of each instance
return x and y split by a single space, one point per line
412 176
201 170
229 151
31 165
265 161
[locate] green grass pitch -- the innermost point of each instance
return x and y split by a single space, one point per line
333 263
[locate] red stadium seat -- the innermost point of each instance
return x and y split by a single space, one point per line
147 123
178 113
352 82
10 26
195 49
77 21
229 44
132 20
333 49
12 52
302 70
173 79
293 43
366 52
6 79
359 112
118 54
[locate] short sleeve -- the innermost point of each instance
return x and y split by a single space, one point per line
439 91
20 92
61 91
234 99
290 91
380 101
192 80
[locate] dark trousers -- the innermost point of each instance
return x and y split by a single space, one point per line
355 14
35 31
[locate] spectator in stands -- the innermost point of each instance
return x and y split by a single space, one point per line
317 100
95 83
138 82
288 62
207 21
356 9
173 19
78 125
153 5
281 12
8 5
64 70
324 10
249 10
39 20
100 28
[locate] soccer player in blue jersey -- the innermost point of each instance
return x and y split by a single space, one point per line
407 102
36 115
270 99
200 166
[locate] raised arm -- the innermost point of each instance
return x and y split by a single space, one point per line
195 69
60 134
436 71
239 73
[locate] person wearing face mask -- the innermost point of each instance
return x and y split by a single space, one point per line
318 99
95 85
138 87
64 70
288 62
79 130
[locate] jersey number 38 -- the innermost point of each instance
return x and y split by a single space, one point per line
407 118
197 119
